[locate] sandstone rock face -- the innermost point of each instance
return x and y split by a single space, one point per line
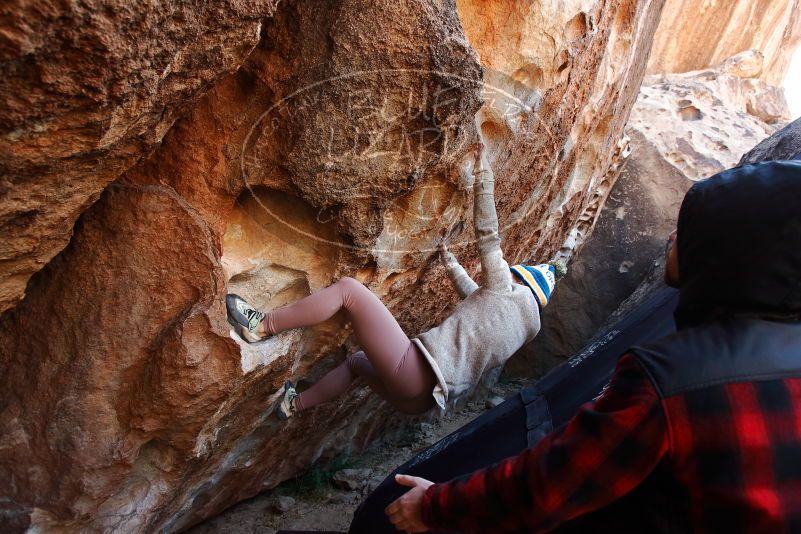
695 34
332 151
684 127
703 122
88 89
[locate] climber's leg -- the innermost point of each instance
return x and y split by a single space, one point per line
376 329
328 388
360 366
403 375
409 388
337 381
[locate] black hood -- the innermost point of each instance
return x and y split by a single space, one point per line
739 245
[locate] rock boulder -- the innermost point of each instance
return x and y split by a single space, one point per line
333 150
695 34
704 121
86 90
784 144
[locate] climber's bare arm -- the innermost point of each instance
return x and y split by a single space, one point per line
494 269
461 281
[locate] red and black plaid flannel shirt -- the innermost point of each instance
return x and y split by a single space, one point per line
735 449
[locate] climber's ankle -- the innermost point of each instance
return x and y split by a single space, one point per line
261 330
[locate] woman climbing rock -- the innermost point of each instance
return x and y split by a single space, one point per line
489 325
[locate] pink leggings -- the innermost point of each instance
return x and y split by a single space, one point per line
389 363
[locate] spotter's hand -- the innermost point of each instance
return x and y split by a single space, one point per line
406 512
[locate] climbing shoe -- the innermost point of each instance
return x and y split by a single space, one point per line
286 408
244 318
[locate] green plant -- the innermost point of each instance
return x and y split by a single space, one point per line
314 483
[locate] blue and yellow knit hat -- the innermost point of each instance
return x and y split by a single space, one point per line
540 279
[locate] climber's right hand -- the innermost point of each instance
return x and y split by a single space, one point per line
443 252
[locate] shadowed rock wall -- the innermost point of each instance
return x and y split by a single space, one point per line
784 144
332 151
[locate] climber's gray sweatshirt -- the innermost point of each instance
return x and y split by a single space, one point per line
492 321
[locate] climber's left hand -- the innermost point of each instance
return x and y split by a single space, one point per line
406 513
442 248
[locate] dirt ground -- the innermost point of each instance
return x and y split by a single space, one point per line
320 505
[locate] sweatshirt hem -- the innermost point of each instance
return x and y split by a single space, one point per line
441 396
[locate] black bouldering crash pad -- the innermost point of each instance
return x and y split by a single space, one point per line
522 420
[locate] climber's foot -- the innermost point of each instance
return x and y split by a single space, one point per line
245 319
286 408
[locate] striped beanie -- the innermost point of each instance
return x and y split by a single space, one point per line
540 279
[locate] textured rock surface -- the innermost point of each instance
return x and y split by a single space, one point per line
332 151
784 144
86 90
704 121
694 34
630 233
683 127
